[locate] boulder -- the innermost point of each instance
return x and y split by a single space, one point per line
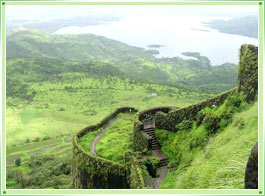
251 174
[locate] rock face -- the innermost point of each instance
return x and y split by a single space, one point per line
248 71
251 175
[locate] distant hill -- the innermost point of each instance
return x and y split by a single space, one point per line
56 24
246 26
129 61
208 80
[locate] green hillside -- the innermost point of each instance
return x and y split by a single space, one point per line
70 101
208 80
130 61
59 84
202 158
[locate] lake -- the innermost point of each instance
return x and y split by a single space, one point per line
177 32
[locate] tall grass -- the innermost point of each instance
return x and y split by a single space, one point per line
219 162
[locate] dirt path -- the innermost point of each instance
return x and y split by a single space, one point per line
94 143
162 174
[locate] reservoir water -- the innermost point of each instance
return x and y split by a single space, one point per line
177 32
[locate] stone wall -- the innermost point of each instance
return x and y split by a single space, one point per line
94 172
170 120
248 72
134 172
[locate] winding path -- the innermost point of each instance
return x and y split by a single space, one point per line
101 134
162 171
94 143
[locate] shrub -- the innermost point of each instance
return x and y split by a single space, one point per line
27 141
225 119
199 118
174 162
61 109
46 138
18 161
151 164
37 139
233 100
211 123
198 142
239 123
184 125
147 152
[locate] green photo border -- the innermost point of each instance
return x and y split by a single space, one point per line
259 191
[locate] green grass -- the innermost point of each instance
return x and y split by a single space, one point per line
66 106
118 139
58 148
86 140
29 114
63 107
220 163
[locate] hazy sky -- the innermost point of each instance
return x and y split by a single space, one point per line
42 13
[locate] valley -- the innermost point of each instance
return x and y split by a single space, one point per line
61 89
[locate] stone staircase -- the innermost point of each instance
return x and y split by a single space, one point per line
151 133
149 129
163 162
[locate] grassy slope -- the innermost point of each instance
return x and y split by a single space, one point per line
221 163
57 110
118 139
58 149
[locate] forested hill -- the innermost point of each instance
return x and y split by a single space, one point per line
84 47
128 61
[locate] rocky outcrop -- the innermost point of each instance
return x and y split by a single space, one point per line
251 174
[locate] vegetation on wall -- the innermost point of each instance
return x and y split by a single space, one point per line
248 71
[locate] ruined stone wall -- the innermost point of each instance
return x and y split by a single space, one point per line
248 72
169 121
90 171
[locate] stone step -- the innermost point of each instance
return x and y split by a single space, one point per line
164 160
152 135
155 142
150 132
156 147
163 164
149 129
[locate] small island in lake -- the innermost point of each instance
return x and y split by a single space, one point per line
155 46
153 51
